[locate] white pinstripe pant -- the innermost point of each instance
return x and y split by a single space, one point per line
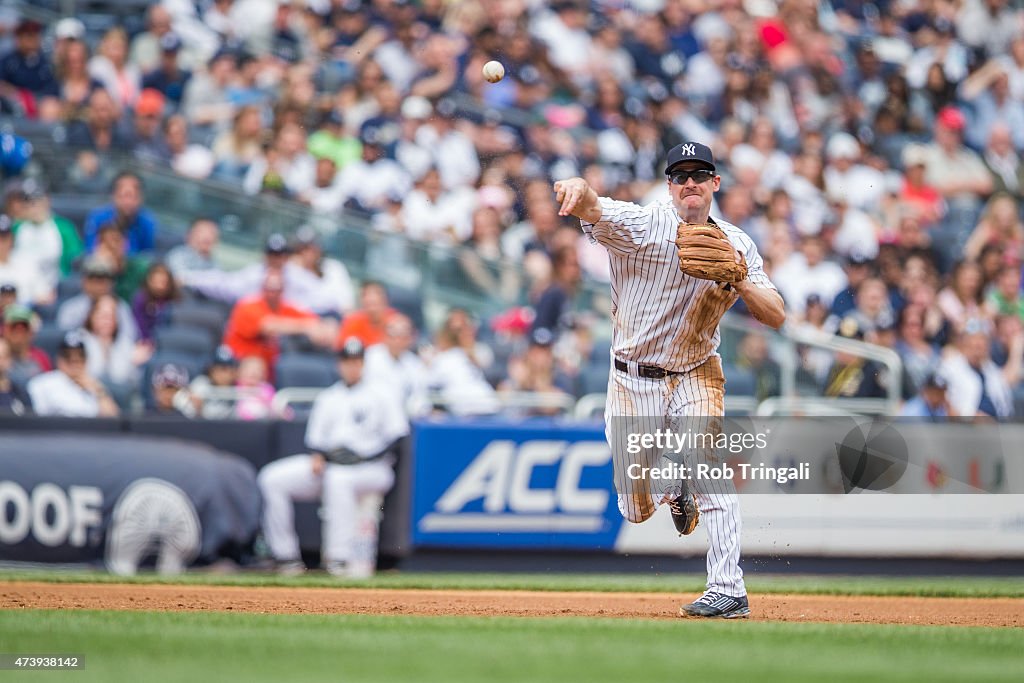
692 402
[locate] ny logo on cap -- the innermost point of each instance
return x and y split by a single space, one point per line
689 150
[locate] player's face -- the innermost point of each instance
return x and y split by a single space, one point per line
351 370
691 198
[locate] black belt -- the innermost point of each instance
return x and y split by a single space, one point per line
648 371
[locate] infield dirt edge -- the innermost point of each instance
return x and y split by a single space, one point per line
780 607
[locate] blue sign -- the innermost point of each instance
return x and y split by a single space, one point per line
513 484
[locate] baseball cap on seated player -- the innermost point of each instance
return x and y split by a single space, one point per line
352 348
689 151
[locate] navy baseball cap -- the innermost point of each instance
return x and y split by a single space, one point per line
276 244
224 356
689 151
352 348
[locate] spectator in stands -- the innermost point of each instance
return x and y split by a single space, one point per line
255 393
987 91
367 323
299 284
207 103
368 182
42 237
167 382
977 386
14 400
957 173
197 252
70 390
456 375
395 364
99 129
534 371
110 67
873 308
153 300
73 80
166 76
1000 225
845 176
853 376
1007 329
128 211
433 215
1005 296
925 200
97 280
237 148
556 301
807 272
221 375
1003 162
129 270
325 196
932 403
482 258
26 74
330 141
19 272
112 357
149 142
257 322
26 360
919 355
285 168
961 300
8 296
335 293
188 159
146 46
754 357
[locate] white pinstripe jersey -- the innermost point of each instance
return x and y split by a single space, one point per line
661 316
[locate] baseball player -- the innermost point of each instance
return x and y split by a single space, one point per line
352 433
665 365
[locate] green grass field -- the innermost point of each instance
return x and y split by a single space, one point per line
941 587
197 646
143 646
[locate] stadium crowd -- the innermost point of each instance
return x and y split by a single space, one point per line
872 151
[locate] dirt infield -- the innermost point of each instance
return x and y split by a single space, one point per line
276 600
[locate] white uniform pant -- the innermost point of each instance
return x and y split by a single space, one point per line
693 401
291 479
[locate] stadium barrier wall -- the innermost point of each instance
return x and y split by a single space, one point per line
540 484
507 484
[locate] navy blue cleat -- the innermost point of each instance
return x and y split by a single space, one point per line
717 606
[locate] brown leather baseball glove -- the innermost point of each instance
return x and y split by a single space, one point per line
706 253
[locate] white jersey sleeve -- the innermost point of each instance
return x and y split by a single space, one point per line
318 429
623 226
743 244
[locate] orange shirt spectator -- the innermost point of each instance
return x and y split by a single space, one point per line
257 322
367 324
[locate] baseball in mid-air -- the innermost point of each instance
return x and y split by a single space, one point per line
493 71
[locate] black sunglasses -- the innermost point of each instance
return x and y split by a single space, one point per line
701 175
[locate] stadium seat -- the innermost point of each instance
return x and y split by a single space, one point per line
739 381
305 370
189 339
207 315
75 207
69 286
600 352
593 379
409 302
48 339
